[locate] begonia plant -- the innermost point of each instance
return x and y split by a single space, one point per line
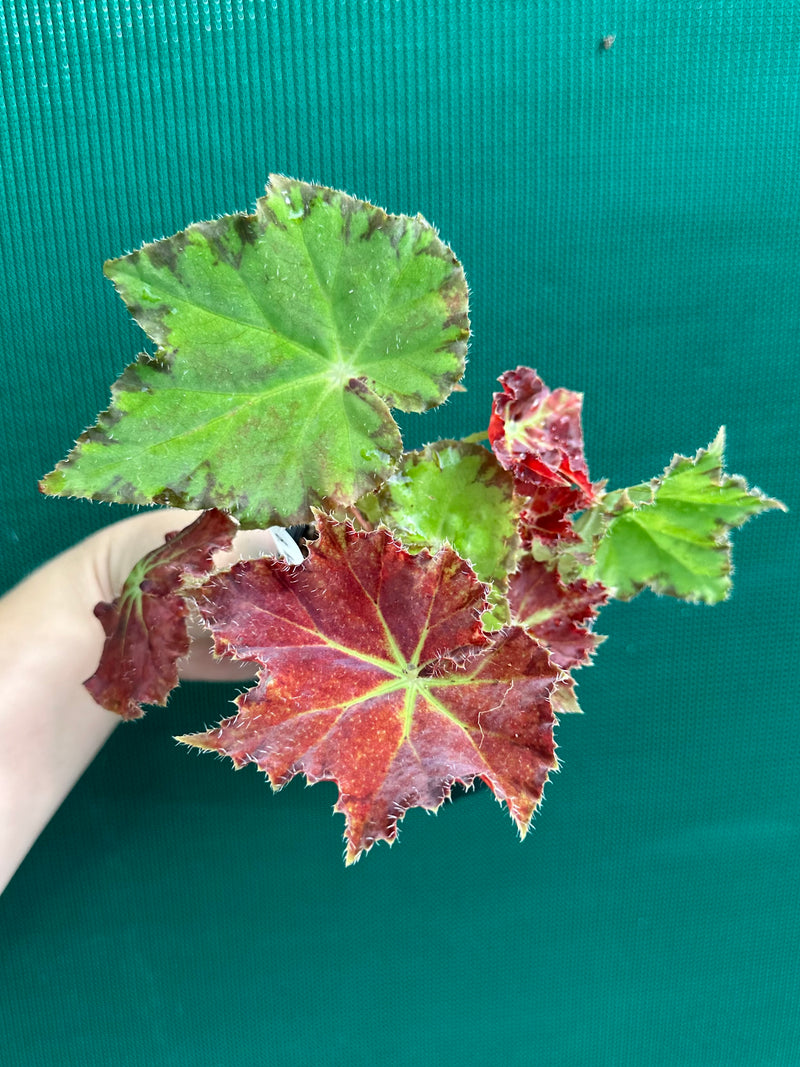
425 629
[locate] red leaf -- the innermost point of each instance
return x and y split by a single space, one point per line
546 513
146 632
559 615
378 676
537 434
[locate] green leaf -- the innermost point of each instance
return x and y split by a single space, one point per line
284 339
456 493
673 534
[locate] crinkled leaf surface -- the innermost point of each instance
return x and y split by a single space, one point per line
284 339
673 534
573 555
457 493
560 615
536 434
546 511
145 627
377 675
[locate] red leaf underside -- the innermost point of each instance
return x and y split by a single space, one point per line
146 625
377 675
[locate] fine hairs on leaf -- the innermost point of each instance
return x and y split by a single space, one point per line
428 639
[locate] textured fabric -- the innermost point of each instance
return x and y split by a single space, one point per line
628 223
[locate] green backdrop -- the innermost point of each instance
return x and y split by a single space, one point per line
628 222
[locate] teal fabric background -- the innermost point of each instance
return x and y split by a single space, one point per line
628 223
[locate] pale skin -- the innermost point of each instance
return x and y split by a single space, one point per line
50 642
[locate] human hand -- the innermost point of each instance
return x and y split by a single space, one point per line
113 551
50 642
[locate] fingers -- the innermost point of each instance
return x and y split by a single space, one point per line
117 548
247 544
201 664
114 551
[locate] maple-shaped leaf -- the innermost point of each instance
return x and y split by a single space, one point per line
456 493
284 338
672 534
146 625
376 674
536 434
559 614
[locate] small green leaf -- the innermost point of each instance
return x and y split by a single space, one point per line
456 493
284 339
673 534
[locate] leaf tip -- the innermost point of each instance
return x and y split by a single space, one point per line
564 701
52 484
352 855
